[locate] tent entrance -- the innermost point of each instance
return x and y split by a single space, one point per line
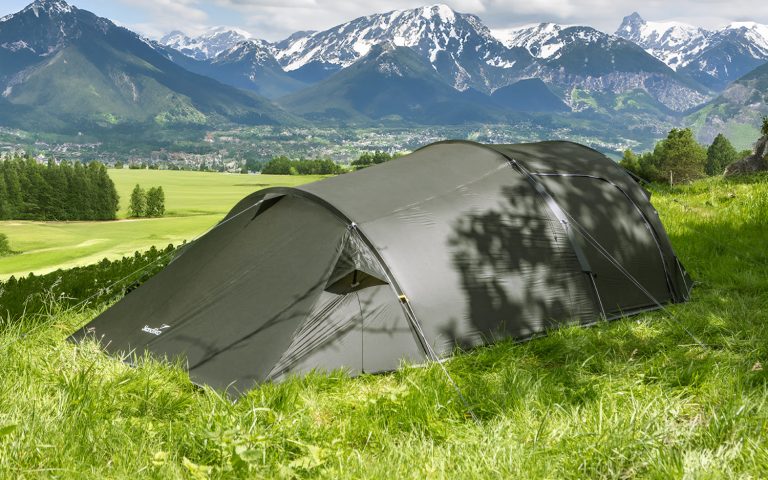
357 322
355 269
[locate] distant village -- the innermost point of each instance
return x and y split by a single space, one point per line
238 149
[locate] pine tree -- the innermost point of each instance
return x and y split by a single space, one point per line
719 155
13 184
56 208
5 211
764 128
77 186
155 202
138 205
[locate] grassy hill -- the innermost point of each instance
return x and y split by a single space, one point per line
195 201
736 112
633 398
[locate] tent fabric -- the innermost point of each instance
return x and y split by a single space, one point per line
458 244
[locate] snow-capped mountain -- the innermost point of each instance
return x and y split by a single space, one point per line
458 46
732 52
253 51
467 55
252 65
391 83
208 45
60 21
249 65
48 7
674 43
580 60
713 58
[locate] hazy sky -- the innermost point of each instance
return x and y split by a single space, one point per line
276 19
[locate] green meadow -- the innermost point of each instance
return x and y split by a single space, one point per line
194 201
633 398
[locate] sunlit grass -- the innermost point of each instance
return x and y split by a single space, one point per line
631 398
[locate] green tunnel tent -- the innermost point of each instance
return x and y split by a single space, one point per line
457 244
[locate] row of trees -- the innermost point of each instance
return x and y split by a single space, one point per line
680 158
69 191
367 159
285 166
147 203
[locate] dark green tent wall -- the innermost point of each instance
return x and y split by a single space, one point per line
457 244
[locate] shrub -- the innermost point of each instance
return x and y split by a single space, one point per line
5 246
97 283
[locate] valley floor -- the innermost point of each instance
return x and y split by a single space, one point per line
637 397
195 201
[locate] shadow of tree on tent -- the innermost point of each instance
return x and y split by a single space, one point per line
518 270
572 366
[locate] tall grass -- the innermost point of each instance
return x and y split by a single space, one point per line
631 398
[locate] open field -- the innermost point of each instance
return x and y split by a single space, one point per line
198 193
195 201
634 398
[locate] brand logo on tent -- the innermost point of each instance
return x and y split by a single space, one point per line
155 331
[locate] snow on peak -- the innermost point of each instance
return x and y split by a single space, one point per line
747 25
540 39
224 30
754 34
430 28
442 11
457 45
255 50
674 43
678 44
51 7
207 45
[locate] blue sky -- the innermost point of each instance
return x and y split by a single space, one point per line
276 19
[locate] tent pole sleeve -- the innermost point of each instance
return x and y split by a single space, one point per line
597 294
558 212
648 225
554 207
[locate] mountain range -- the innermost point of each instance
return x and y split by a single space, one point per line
712 58
65 69
62 68
644 69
